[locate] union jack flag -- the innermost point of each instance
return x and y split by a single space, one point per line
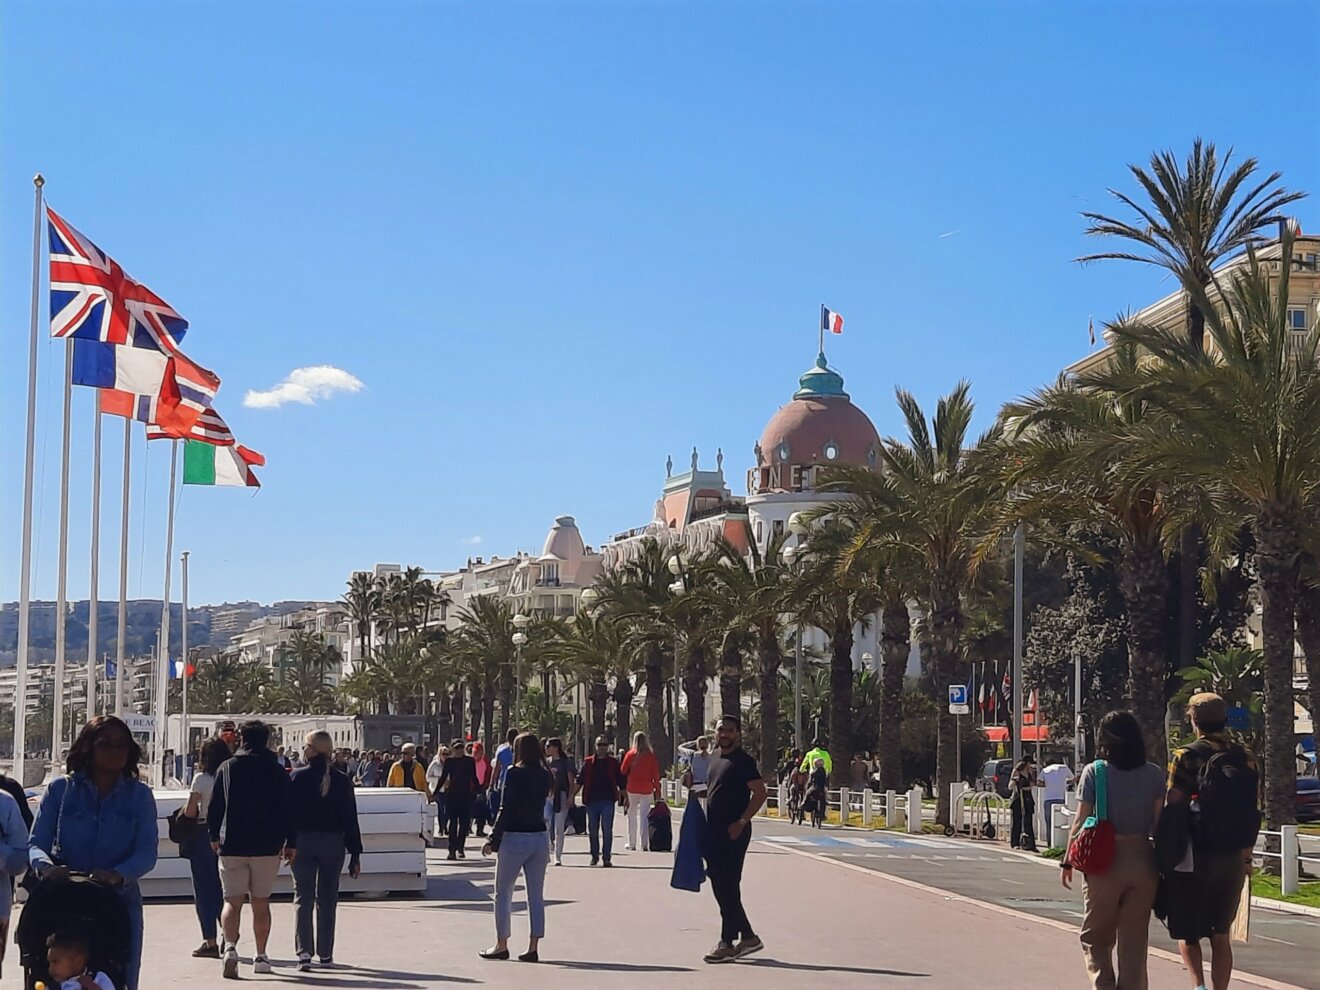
93 298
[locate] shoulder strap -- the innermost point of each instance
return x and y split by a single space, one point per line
1101 791
59 818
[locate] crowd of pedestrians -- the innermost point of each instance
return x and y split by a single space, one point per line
1175 843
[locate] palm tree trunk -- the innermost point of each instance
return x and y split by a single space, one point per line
895 647
945 629
475 708
1277 547
768 662
623 698
598 693
654 669
731 677
1143 583
492 741
1308 634
841 684
694 687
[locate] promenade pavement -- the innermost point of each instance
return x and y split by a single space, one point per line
824 924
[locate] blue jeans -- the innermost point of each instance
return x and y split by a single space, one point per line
528 853
131 894
600 820
207 896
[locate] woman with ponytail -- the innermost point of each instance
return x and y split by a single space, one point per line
325 822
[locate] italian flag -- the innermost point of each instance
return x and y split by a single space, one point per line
211 464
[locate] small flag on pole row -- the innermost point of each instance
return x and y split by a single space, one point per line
830 320
92 298
212 464
176 389
111 670
209 428
177 670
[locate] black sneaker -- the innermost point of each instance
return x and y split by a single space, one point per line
595 860
722 953
607 861
748 945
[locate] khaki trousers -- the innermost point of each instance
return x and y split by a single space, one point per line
1118 906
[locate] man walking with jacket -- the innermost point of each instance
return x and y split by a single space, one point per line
735 794
458 785
600 780
250 821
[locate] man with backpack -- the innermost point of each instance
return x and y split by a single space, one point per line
1214 782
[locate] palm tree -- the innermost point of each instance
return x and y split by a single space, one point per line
933 502
638 595
1199 215
362 601
1244 430
594 650
1068 452
755 590
1235 675
483 648
696 613
836 600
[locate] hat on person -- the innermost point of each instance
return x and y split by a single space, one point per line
1207 708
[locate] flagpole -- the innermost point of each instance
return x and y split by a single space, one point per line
162 668
25 577
822 328
122 631
62 572
93 595
184 747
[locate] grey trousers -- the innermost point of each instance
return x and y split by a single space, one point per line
316 871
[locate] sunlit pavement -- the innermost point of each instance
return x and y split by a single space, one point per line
837 923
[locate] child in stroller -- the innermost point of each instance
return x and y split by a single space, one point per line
67 953
73 919
816 793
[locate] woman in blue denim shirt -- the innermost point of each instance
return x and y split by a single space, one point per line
13 859
100 819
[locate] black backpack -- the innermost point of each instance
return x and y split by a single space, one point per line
1228 817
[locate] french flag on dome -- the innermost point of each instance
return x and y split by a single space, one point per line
830 320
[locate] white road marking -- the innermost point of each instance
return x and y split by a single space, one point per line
1016 883
1279 940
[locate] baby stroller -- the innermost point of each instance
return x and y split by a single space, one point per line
80 903
661 828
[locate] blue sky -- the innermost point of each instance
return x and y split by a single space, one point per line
560 241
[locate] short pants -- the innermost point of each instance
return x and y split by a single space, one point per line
248 876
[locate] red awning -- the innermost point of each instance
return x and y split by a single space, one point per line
1030 733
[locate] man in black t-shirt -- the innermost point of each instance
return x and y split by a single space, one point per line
458 783
735 793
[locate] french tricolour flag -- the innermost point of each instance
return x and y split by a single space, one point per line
830 320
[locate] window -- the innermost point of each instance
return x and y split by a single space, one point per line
831 451
782 451
760 535
1297 318
779 527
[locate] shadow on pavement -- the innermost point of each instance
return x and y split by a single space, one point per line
613 967
767 963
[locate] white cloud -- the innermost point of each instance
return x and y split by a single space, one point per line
304 385
472 541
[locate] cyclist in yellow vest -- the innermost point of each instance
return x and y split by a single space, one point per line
818 752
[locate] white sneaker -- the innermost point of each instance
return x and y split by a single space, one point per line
627 845
304 963
230 964
559 861
261 965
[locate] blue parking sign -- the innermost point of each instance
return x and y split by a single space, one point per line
957 694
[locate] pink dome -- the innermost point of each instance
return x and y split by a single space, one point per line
809 430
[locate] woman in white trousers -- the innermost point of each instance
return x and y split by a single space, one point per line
642 772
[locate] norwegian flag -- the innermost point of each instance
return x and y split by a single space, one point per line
209 428
93 298
168 390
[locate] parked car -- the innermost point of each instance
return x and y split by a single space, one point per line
1308 799
995 776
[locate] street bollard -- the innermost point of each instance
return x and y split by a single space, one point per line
1060 827
914 811
843 806
1289 859
891 810
866 809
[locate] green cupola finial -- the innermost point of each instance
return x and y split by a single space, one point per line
820 382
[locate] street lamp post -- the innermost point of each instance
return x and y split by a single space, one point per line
520 622
797 525
588 599
1019 553
677 564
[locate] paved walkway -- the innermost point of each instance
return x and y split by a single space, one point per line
823 923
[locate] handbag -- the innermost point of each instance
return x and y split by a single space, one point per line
182 829
1092 847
